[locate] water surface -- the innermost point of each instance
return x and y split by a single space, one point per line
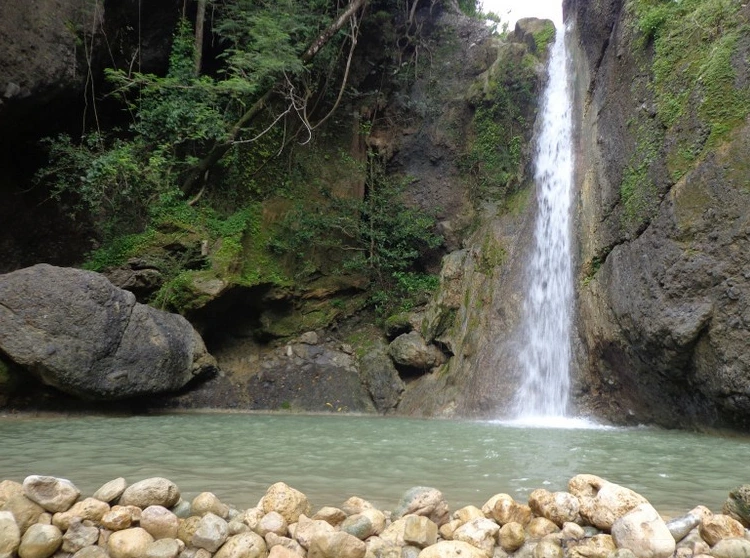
329 458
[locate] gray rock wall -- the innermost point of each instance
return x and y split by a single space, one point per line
664 297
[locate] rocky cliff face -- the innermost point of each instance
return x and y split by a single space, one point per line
663 221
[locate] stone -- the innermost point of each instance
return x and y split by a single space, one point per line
598 546
272 540
602 502
279 551
159 522
680 527
540 527
251 517
558 507
244 545
354 505
40 541
572 531
393 535
53 494
117 519
420 531
155 491
13 500
79 535
643 531
505 509
334 516
84 336
163 548
90 508
91 552
720 527
547 549
272 522
467 513
187 529
368 523
181 509
111 491
731 548
411 350
206 502
10 534
737 505
307 529
479 532
287 501
129 543
211 532
381 378
511 536
452 549
446 530
336 544
422 500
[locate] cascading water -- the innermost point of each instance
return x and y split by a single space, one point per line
545 358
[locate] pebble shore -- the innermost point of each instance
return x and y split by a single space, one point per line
49 517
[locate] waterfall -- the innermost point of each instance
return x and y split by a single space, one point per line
546 354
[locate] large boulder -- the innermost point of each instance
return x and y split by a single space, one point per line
82 335
411 350
738 504
603 502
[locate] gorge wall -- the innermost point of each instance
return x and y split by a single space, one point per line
663 222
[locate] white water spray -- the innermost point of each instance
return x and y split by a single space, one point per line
545 358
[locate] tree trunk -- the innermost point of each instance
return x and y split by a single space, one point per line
220 149
200 18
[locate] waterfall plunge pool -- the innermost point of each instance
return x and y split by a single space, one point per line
333 457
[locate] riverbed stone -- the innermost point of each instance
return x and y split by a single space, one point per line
287 501
393 535
419 531
603 502
679 527
163 548
558 507
129 543
423 500
467 513
187 529
273 522
336 544
117 519
53 494
446 530
13 500
244 545
511 536
279 551
154 491
90 508
547 548
307 529
111 491
332 515
92 551
272 539
206 502
720 526
572 530
737 505
731 548
505 509
363 525
480 532
598 546
40 541
159 522
10 534
643 531
211 532
452 549
540 527
79 535
355 504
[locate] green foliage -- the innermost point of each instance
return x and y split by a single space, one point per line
544 37
380 237
694 42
